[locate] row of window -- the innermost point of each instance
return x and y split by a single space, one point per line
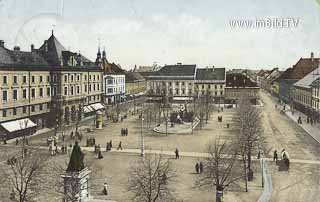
24 93
315 105
39 107
209 86
41 78
24 109
76 91
72 77
24 79
116 81
115 90
316 92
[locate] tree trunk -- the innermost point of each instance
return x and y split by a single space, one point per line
219 194
245 173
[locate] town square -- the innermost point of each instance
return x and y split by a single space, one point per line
135 106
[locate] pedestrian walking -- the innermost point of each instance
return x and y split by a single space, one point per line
197 168
201 167
177 153
100 155
120 146
17 141
110 144
126 131
275 156
105 188
107 147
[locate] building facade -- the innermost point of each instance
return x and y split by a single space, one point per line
303 92
286 81
174 81
315 89
114 88
211 82
239 86
186 82
48 86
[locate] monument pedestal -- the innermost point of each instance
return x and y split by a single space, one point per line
76 186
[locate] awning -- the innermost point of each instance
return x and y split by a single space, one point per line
97 106
16 125
87 109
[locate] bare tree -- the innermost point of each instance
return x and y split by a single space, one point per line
150 180
25 176
220 169
248 121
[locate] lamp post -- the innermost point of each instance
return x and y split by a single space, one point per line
142 137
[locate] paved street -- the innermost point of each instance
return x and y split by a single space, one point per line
301 183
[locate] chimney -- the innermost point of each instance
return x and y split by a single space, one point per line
32 47
2 43
312 56
16 48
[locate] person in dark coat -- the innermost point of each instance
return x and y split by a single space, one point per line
275 155
197 168
17 141
100 155
126 131
201 167
120 146
177 153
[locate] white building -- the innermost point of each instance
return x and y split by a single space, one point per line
114 88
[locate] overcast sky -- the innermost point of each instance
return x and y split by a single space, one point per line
168 31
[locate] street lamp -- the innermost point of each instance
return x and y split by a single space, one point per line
142 137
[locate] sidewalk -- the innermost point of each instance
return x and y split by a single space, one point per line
313 130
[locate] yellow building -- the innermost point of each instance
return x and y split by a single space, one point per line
46 87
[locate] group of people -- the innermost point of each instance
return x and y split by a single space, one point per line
219 118
124 131
97 150
91 141
299 120
199 167
284 157
310 120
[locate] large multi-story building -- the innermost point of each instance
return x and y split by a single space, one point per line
114 88
113 80
315 88
239 86
286 80
184 82
46 86
302 92
174 81
211 82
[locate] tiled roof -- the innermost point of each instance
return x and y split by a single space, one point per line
235 80
133 77
50 54
303 67
175 70
306 81
52 49
210 74
15 57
